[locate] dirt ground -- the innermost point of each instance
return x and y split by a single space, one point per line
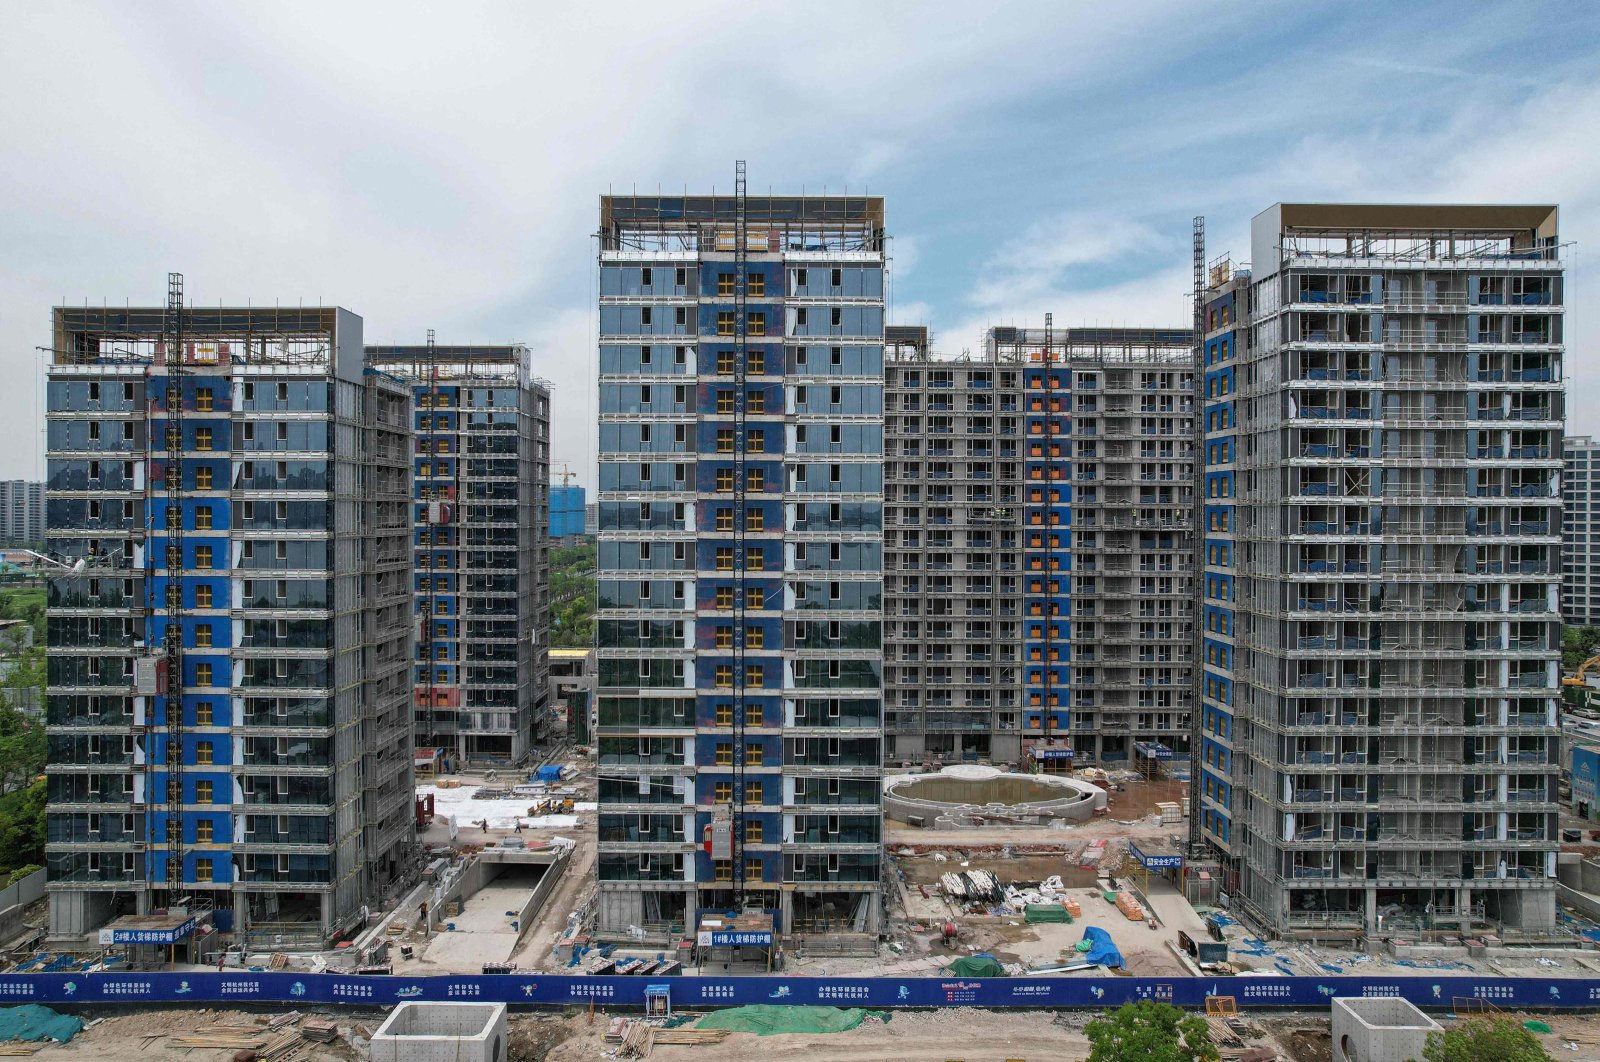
1138 799
146 1035
957 1036
954 1035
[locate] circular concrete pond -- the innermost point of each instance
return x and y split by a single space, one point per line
967 792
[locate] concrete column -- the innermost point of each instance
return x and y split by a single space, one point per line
1464 908
1372 911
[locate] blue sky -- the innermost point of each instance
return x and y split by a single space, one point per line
439 165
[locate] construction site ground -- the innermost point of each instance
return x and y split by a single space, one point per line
962 1035
918 858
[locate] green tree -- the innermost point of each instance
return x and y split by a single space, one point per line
1147 1031
1479 1040
572 595
22 749
1577 645
22 827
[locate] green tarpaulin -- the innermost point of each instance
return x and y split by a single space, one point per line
767 1020
33 1022
976 966
1045 912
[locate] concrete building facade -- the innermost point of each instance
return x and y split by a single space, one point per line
1580 531
21 512
1383 415
740 510
1037 548
480 540
229 723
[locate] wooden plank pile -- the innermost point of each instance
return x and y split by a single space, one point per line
636 1039
323 1032
690 1037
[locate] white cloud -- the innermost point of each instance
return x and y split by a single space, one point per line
1037 263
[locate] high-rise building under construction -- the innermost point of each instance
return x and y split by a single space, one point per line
1383 417
1038 557
740 500
480 536
229 624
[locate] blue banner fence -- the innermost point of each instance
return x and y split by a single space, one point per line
1433 993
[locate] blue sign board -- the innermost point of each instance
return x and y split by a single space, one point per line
1153 750
734 939
153 936
1161 861
1051 754
1585 769
1091 992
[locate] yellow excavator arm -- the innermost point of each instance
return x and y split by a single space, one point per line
1583 669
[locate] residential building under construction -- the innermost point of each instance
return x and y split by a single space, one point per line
1580 532
229 622
480 536
1037 548
1383 415
740 507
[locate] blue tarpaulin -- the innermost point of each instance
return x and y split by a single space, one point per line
548 773
1101 949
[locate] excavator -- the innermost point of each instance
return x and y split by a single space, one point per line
1574 690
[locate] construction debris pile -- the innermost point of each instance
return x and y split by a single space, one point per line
279 1038
966 887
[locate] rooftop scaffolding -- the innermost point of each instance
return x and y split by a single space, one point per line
695 223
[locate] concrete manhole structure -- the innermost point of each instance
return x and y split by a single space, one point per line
967 794
442 1032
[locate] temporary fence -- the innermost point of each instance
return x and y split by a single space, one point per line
1437 993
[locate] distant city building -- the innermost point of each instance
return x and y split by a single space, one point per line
21 512
1383 411
1580 532
482 568
568 511
591 518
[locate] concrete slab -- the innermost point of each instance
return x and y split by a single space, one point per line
1174 912
468 951
484 932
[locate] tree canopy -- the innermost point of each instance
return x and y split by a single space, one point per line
1500 1039
1147 1031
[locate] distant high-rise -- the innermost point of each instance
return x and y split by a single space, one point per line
480 512
1383 415
1580 532
228 692
740 509
567 511
21 512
